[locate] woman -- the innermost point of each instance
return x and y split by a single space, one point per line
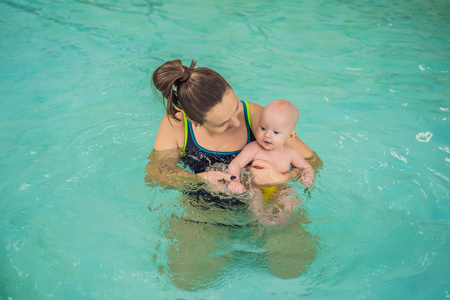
205 124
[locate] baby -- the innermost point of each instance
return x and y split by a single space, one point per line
276 127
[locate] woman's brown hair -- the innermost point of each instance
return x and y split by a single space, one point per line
194 90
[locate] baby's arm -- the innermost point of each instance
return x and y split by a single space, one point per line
308 174
241 160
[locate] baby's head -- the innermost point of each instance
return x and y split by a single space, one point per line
277 124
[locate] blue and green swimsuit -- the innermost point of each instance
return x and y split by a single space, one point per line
197 158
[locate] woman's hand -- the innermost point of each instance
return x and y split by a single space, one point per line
264 173
235 187
214 177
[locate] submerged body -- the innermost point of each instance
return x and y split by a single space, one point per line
220 125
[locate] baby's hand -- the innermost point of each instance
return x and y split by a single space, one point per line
307 178
236 187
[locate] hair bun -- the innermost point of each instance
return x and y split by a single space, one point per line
186 75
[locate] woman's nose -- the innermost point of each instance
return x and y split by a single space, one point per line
235 121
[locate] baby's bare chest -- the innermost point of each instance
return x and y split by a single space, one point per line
281 160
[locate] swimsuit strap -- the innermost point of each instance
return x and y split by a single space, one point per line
185 130
248 123
248 116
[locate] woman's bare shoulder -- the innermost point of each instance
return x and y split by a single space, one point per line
255 112
255 108
170 133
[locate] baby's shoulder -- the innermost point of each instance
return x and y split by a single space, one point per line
288 148
290 151
252 146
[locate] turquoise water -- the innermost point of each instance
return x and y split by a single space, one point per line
78 120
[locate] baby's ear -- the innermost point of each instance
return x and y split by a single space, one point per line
292 135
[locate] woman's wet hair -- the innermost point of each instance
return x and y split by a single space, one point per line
194 90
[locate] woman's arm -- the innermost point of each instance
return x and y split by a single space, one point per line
170 134
162 168
310 156
265 174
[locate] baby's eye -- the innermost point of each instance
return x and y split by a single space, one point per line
276 132
263 128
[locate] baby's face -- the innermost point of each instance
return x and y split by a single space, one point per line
274 130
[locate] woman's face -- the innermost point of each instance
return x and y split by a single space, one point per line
224 116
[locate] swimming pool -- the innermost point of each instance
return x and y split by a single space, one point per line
79 119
